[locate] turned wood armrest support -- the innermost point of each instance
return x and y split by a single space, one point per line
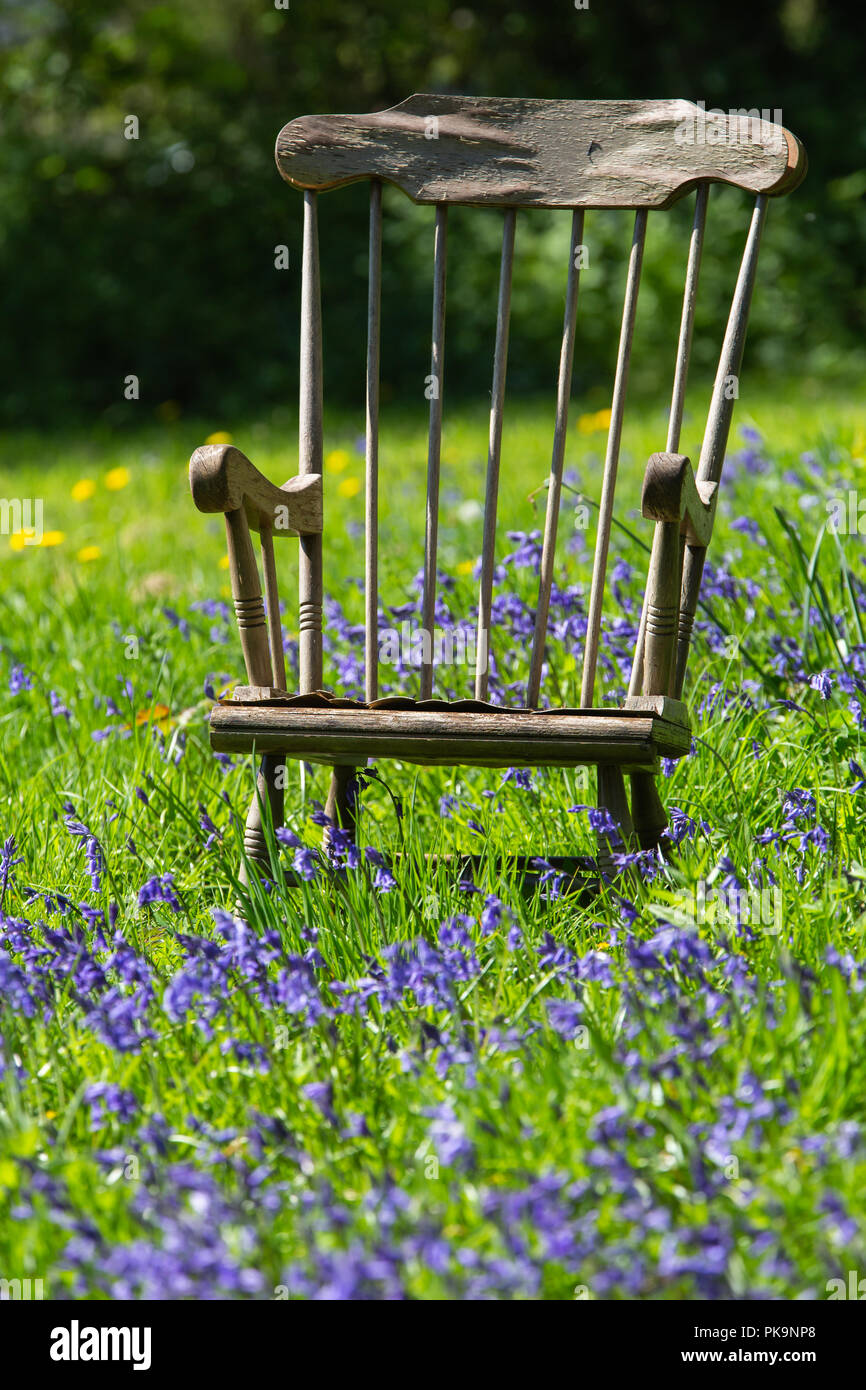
671 493
222 479
683 510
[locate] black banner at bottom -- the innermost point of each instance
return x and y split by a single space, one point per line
84 1340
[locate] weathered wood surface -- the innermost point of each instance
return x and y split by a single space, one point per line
718 427
310 450
678 393
662 609
647 812
670 493
272 597
371 450
611 461
687 318
221 479
435 386
512 739
247 596
341 805
554 489
612 798
530 153
674 711
250 614
494 450
269 792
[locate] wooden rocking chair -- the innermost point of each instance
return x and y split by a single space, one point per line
509 154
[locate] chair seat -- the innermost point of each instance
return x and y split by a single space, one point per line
320 728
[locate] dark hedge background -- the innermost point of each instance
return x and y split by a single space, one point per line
156 256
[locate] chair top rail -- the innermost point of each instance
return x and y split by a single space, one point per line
505 151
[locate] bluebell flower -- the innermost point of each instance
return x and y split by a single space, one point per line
159 889
105 1099
306 863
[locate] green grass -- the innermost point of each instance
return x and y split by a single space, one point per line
549 1105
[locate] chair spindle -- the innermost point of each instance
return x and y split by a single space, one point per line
434 447
247 596
272 599
249 608
491 495
675 419
718 426
371 541
554 491
310 451
614 437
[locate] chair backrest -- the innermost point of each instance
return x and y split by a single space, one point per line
516 154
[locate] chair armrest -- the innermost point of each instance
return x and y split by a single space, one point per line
222 479
670 493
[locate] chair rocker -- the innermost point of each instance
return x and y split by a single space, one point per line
509 154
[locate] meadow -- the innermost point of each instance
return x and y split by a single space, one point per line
385 1083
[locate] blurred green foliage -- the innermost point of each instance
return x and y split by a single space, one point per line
155 256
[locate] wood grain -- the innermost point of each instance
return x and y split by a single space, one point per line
670 493
494 450
435 386
648 814
611 461
221 479
662 611
554 488
681 372
529 153
310 450
247 596
272 597
718 427
371 450
512 739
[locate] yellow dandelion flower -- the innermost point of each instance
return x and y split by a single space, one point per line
224 562
225 591
20 540
159 712
88 552
349 487
219 437
337 460
116 478
159 716
594 423
465 566
84 488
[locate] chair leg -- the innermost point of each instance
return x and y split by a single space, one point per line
650 816
342 804
613 799
268 788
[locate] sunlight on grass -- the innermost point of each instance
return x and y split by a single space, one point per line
386 1082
